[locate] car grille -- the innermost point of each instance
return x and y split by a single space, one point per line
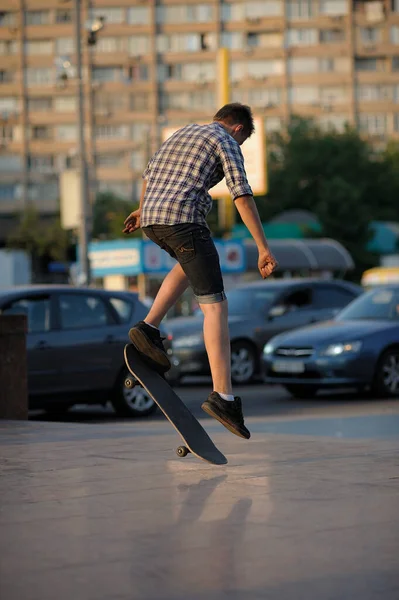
294 352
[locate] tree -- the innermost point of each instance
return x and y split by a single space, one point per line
109 213
339 178
43 240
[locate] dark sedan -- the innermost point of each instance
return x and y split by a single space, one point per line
359 348
75 346
257 311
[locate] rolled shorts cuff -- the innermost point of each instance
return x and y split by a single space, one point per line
211 298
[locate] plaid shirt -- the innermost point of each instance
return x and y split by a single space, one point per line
186 166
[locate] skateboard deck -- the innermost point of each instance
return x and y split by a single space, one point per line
194 435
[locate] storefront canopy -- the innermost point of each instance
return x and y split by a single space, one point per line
310 254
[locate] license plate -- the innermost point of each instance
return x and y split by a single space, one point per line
288 366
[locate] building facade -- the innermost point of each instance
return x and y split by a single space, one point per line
154 65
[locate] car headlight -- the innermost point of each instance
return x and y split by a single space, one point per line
187 341
342 348
268 349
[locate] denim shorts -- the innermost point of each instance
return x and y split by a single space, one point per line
192 246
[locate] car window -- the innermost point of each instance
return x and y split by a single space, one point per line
80 311
243 302
298 299
123 308
378 304
37 311
330 296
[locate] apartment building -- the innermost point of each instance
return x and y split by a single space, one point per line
154 64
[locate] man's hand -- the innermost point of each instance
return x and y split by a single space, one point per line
132 223
266 263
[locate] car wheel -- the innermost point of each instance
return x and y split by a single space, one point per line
131 402
243 362
386 378
302 391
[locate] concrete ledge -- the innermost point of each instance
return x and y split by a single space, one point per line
103 512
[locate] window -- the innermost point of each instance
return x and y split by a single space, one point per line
39 104
332 36
41 132
396 121
37 17
299 9
196 72
395 63
8 105
65 104
370 35
194 13
41 163
63 16
110 44
137 161
138 73
304 94
202 101
333 94
110 160
107 74
7 76
78 311
264 97
67 132
123 308
107 103
369 64
65 46
329 296
333 122
8 191
10 163
8 47
139 101
111 15
333 7
234 40
138 15
258 69
8 19
302 37
374 92
263 8
139 131
138 45
37 311
303 64
394 34
39 47
39 76
395 6
109 132
6 133
298 299
373 124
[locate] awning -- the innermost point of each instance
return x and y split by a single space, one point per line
312 254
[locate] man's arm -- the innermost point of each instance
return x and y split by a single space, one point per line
132 222
249 213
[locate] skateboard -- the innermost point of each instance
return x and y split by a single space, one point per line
191 431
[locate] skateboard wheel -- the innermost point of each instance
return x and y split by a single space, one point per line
182 451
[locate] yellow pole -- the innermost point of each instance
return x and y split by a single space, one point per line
225 205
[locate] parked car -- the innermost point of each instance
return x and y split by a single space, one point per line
359 348
75 346
257 311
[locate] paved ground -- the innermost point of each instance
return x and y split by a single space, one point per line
307 509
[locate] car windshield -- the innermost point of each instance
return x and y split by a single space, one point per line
377 304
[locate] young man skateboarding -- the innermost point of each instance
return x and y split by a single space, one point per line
173 208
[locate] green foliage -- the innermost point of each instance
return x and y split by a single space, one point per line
109 213
336 176
43 240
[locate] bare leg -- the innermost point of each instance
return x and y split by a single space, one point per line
173 286
217 343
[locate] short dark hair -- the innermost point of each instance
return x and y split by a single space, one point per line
236 114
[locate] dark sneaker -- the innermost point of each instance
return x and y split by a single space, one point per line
148 341
228 413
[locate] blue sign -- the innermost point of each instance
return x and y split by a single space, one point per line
132 257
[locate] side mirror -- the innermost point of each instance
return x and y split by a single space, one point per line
277 311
